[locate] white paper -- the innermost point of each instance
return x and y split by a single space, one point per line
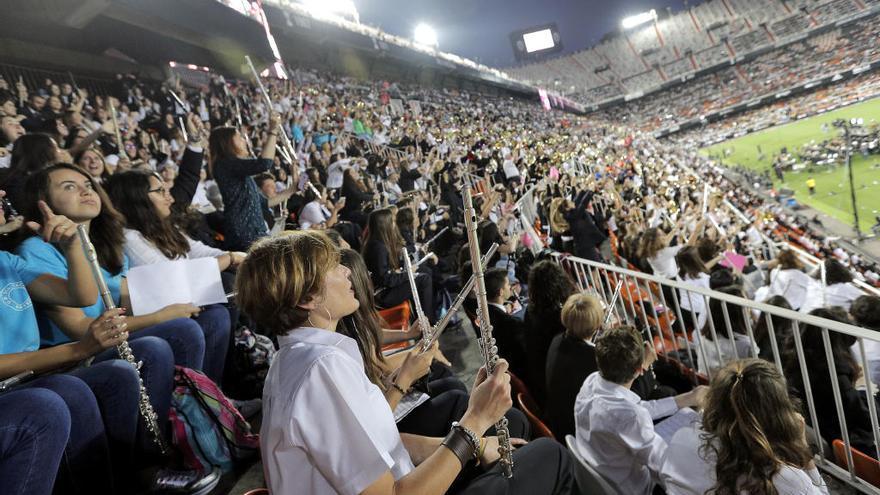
682 418
196 281
407 403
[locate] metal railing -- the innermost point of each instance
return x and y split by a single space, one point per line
645 302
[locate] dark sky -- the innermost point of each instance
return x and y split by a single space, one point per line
478 29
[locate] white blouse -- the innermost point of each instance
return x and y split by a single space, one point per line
686 471
141 251
326 428
663 263
791 284
842 294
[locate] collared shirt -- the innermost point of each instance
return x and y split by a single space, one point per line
615 433
326 428
686 471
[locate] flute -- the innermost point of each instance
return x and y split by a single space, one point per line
288 152
609 311
144 405
119 143
420 313
427 341
487 343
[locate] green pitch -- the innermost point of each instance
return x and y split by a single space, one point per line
832 184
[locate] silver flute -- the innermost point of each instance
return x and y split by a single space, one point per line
420 313
487 343
609 311
144 405
286 150
428 340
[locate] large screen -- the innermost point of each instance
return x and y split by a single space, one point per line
538 40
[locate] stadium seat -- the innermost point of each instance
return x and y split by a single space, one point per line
588 479
397 317
865 466
528 406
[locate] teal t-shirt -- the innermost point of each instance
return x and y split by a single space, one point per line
18 331
49 259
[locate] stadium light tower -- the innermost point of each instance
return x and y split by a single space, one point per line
638 19
425 35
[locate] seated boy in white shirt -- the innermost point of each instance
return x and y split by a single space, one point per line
614 427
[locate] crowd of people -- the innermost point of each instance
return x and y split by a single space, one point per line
309 204
778 70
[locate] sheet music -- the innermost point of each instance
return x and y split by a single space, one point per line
409 402
681 419
196 281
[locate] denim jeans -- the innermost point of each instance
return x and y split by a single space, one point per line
157 372
85 466
34 428
116 388
200 343
217 328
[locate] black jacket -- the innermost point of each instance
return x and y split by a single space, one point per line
570 361
586 233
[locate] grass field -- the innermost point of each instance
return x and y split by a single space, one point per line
832 184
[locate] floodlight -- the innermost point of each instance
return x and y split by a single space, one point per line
638 19
425 35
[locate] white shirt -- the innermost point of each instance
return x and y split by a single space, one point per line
615 433
663 263
510 169
742 344
313 213
326 428
791 284
686 472
842 294
140 251
693 301
335 173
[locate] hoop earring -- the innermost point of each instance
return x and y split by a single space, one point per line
329 316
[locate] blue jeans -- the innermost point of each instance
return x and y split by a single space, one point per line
34 428
85 466
157 372
217 328
200 343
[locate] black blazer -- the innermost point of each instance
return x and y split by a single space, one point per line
509 334
570 361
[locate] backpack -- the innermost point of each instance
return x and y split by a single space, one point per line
251 355
206 428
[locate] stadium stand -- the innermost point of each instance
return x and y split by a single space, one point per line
586 211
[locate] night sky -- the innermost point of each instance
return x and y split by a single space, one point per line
478 29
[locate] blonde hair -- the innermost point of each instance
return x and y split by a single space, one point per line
582 315
558 224
282 272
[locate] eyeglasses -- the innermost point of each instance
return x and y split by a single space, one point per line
160 190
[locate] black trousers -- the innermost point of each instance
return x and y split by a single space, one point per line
392 296
434 417
544 466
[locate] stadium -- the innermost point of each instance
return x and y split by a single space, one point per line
257 247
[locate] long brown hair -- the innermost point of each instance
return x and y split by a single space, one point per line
221 145
651 243
105 230
751 439
689 263
365 324
381 228
130 190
